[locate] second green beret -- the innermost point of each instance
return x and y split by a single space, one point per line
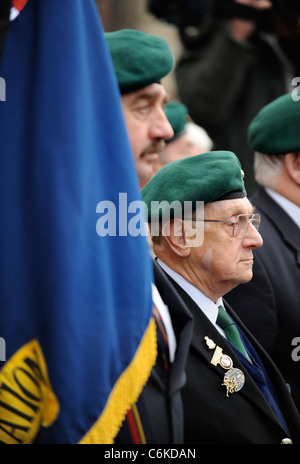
276 128
139 59
208 177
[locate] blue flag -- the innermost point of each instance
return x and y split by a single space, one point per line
77 339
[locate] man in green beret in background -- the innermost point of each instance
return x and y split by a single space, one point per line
141 60
269 304
234 393
189 139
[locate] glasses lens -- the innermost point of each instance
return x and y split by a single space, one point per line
255 221
242 224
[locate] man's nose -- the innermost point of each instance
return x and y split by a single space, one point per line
161 128
254 237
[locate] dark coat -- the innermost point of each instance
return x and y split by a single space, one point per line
160 404
269 305
244 417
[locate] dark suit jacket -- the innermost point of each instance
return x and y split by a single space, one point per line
244 417
269 304
160 404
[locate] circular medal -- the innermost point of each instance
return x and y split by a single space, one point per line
234 380
226 361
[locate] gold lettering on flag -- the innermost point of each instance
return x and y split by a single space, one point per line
27 400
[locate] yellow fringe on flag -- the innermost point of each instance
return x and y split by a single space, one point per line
125 391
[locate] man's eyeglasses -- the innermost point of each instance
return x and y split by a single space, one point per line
239 226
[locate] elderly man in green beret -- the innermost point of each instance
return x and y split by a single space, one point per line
234 393
141 60
271 301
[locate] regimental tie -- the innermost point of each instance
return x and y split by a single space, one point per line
232 333
162 340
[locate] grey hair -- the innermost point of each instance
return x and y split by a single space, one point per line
267 169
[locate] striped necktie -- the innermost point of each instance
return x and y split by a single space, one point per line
232 333
162 339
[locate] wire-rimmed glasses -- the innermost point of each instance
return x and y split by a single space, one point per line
239 225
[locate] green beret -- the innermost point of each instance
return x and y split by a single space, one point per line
208 177
139 59
276 128
177 114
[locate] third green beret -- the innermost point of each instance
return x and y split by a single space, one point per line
177 114
139 59
207 177
276 128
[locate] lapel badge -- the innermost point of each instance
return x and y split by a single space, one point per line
234 378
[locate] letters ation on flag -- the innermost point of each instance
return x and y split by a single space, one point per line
27 399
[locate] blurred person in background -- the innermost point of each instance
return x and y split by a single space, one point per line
242 55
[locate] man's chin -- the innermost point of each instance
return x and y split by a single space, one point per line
146 168
247 277
145 175
242 279
150 158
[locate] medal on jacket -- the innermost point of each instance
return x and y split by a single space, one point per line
234 378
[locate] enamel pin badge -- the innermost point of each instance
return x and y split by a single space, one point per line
234 378
218 357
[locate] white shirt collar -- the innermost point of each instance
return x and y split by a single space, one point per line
207 306
288 206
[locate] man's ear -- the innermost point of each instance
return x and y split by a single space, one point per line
173 232
292 165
